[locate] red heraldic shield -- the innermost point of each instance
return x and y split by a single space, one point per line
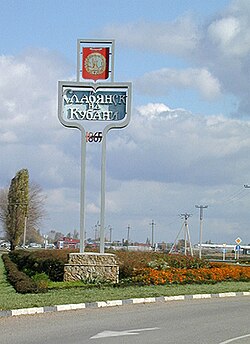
95 63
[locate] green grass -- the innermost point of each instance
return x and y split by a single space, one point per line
9 299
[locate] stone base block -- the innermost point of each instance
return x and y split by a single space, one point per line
91 267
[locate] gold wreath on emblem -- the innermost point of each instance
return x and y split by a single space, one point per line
95 63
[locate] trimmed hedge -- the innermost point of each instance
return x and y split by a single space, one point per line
41 261
19 280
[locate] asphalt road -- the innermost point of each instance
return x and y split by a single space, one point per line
206 321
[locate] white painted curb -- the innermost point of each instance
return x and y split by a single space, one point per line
113 303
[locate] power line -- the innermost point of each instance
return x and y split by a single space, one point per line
234 197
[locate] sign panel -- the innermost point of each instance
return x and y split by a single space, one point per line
237 248
80 104
95 60
238 240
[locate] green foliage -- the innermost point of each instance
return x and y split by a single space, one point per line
62 293
20 281
177 261
39 261
136 268
42 282
129 261
18 198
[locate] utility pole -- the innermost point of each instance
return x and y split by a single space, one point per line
187 234
128 236
201 207
97 226
187 239
152 231
110 233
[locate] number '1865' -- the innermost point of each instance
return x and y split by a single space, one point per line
93 137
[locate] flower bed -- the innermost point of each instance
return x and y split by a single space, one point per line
215 273
143 268
129 262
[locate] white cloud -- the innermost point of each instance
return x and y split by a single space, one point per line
225 49
176 146
92 208
213 56
175 161
8 137
28 91
179 37
166 161
162 81
230 35
223 31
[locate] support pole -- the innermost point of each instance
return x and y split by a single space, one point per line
176 239
82 200
128 236
187 239
201 207
103 183
152 231
110 233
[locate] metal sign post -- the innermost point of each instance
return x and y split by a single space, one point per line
87 105
224 251
238 240
83 192
237 252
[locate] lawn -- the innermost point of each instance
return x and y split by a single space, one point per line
9 299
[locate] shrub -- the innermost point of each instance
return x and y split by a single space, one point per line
129 261
20 281
50 262
53 268
42 282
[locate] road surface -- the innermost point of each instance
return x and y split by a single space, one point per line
206 321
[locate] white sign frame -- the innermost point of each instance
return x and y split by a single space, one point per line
63 86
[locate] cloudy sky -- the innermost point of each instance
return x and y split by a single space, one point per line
188 142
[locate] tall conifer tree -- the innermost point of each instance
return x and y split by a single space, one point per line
18 202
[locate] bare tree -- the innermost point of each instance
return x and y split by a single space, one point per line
36 211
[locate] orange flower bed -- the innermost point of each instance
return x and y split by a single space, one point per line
149 276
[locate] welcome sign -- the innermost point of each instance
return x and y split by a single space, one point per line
81 103
94 108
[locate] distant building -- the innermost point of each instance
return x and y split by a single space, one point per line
66 242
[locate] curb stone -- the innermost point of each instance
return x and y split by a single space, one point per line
113 303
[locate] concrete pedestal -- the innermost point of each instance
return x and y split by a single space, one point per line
91 267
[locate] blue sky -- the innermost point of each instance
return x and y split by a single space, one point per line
56 25
188 140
